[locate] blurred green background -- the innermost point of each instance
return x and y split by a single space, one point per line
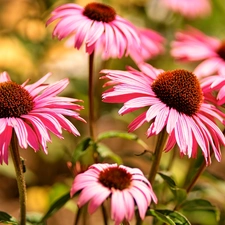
27 51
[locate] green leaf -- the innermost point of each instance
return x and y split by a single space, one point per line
82 149
34 218
57 190
168 180
5 218
200 206
58 204
179 193
160 216
121 134
169 217
177 217
114 134
105 152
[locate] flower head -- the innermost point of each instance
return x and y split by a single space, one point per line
125 186
97 26
31 111
189 8
151 45
193 45
175 102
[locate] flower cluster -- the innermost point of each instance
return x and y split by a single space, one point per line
181 106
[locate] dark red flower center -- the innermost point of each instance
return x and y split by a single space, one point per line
99 12
221 50
179 89
15 100
115 177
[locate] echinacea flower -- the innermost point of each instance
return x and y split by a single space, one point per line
175 102
193 45
95 25
32 112
126 187
189 8
151 45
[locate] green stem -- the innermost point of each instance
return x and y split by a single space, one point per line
188 177
91 97
14 150
195 178
104 215
125 222
138 218
162 139
77 217
171 160
189 186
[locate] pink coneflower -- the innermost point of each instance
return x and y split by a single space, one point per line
31 111
151 45
94 25
175 102
126 187
189 8
193 45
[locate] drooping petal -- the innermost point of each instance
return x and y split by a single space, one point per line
90 192
97 200
118 210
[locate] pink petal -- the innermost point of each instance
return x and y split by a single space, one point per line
81 32
207 67
172 120
154 110
161 119
53 89
137 122
30 88
32 138
4 77
5 140
20 131
128 204
98 199
118 210
140 199
90 192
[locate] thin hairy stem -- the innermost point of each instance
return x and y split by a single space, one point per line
14 150
195 178
161 141
91 96
138 218
104 214
77 217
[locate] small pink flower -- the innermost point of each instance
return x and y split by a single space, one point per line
32 112
95 25
193 45
174 101
189 8
126 187
151 45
